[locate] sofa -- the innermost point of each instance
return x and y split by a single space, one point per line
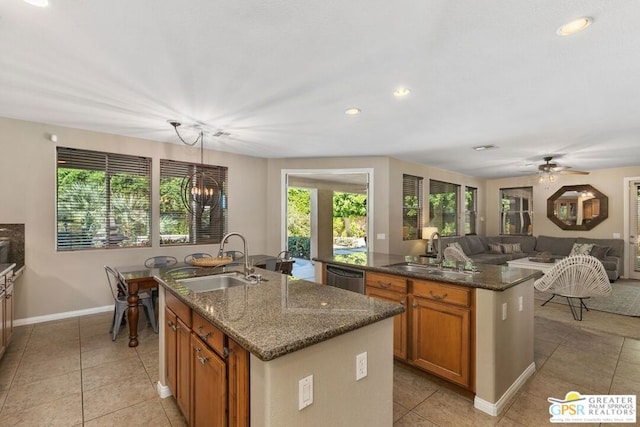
500 249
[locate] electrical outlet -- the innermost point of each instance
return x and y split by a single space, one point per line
361 366
520 303
381 236
504 311
305 392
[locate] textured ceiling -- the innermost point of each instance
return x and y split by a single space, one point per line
278 76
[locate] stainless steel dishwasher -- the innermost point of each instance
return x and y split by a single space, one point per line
345 278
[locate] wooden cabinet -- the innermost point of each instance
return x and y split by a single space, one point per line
392 288
207 372
6 310
436 332
178 352
441 330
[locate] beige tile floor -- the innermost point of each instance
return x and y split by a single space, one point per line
70 373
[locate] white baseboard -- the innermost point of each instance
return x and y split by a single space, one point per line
163 390
64 315
496 408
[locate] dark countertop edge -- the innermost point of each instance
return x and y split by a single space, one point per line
290 347
6 267
533 274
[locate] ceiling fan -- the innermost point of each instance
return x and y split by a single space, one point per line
547 171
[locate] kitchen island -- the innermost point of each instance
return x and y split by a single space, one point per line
472 328
267 339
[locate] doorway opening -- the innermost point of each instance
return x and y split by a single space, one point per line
326 212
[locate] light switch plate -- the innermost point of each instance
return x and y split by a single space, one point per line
305 392
361 366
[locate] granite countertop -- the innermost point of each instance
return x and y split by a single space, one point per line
281 314
492 277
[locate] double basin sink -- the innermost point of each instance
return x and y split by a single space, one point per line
216 282
430 270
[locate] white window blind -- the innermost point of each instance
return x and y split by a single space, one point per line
411 207
102 200
470 210
516 206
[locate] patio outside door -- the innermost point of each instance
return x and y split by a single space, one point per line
634 228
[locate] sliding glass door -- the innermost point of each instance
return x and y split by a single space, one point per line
634 228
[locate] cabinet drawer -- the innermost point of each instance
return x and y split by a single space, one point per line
386 281
178 307
208 333
450 294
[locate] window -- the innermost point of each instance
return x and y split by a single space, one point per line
411 207
515 211
178 226
470 210
443 207
102 200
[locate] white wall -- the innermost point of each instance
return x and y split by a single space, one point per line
56 282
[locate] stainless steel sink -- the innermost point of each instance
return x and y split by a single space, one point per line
215 282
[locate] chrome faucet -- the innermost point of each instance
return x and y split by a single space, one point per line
248 270
439 250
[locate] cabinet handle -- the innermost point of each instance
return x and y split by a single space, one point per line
201 359
9 296
402 302
384 285
225 352
202 335
173 325
438 297
414 305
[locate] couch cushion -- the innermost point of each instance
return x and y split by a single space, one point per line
476 245
527 243
555 245
581 249
610 265
599 251
511 248
495 248
617 245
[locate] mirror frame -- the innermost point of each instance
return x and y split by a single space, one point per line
603 214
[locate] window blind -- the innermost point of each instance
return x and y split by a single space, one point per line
178 226
470 210
102 200
411 207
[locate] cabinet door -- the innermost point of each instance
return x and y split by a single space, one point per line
170 349
8 314
2 343
238 371
399 321
441 339
183 368
208 375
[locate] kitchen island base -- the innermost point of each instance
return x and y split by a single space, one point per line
338 399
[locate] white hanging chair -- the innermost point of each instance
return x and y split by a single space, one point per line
576 276
452 253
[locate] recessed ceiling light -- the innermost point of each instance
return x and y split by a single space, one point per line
39 3
484 147
401 91
352 111
574 26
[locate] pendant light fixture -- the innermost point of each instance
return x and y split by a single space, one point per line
200 191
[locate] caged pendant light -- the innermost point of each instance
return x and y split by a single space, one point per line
200 191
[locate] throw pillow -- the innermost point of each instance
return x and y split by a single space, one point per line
495 248
600 251
581 249
457 246
511 248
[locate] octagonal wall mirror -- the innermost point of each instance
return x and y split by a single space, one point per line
577 207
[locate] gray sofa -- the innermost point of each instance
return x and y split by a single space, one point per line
478 249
